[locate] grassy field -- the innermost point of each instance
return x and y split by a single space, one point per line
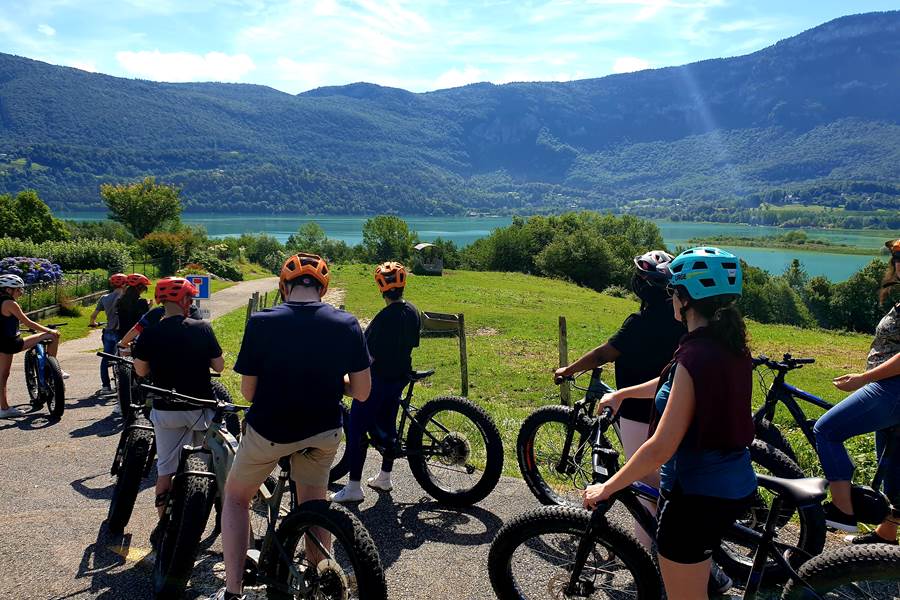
512 325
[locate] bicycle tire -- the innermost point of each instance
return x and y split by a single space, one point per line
129 475
770 434
350 533
873 568
31 378
341 465
56 388
191 505
530 462
810 536
565 520
123 390
232 420
493 450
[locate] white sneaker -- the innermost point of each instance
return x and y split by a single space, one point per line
380 482
10 412
65 375
221 594
106 390
348 494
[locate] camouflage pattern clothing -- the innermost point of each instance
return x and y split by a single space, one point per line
887 339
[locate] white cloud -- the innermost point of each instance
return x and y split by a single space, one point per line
46 30
84 65
301 76
628 64
456 78
326 8
184 66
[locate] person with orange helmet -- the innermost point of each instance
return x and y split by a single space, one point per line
152 317
110 336
131 306
296 362
390 337
177 353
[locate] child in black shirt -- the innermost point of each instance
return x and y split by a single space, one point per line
390 337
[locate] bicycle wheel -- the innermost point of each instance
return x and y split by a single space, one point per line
460 458
803 528
191 503
350 568
31 378
532 556
539 452
135 454
55 393
770 434
868 571
232 420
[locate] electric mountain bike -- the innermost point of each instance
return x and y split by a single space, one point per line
44 378
318 551
452 445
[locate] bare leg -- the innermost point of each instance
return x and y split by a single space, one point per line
163 485
840 496
236 531
633 434
304 494
685 581
887 530
5 366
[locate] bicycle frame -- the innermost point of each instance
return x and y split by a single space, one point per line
596 389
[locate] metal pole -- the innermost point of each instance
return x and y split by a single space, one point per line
565 396
463 356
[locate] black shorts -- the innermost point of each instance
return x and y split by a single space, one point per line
11 345
691 526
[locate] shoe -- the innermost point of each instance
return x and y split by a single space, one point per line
380 483
838 519
10 412
116 408
869 538
106 390
348 494
65 375
223 594
719 583
156 536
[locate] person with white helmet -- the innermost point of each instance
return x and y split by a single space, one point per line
11 289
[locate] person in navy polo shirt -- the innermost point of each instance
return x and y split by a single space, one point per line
297 361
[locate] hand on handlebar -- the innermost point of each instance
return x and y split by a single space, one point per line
593 495
560 375
611 401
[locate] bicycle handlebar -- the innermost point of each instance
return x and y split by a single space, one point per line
115 357
48 325
201 402
788 362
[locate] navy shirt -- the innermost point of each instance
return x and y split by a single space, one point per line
391 336
300 352
152 316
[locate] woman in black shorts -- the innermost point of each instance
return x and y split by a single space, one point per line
701 426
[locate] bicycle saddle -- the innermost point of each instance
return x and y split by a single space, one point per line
420 375
801 492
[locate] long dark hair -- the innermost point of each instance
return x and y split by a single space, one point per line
888 281
726 324
130 302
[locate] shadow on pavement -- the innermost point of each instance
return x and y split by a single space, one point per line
36 419
105 427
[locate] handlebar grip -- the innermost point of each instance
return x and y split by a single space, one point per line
606 417
804 361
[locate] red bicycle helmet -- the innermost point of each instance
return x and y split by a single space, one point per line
174 289
390 276
304 265
136 279
118 280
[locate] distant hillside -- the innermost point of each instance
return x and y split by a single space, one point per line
819 109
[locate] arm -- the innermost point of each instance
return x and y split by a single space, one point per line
642 390
16 311
248 387
658 449
358 385
596 357
94 314
854 381
217 364
141 367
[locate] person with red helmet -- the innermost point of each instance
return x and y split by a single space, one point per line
390 337
150 318
296 362
110 337
177 353
131 306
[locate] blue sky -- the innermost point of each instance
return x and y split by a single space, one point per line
296 45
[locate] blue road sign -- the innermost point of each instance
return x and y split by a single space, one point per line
201 282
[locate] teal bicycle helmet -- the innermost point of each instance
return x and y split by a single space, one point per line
706 272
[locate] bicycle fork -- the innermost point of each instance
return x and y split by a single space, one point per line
577 586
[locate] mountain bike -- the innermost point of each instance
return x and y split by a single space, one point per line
44 378
452 445
294 560
567 552
870 505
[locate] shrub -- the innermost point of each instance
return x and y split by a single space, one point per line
169 250
620 291
32 270
217 266
82 255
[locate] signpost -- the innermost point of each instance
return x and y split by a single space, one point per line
201 282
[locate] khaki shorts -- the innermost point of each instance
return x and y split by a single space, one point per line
311 458
173 430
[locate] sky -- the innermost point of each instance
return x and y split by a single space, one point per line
297 45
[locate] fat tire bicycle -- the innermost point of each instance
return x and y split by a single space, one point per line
448 436
44 378
596 557
278 557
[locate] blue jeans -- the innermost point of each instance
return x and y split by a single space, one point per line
377 416
873 407
110 339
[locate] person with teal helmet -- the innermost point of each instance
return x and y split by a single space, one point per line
702 425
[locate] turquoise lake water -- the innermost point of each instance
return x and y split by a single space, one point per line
465 230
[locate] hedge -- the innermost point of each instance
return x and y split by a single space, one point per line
79 255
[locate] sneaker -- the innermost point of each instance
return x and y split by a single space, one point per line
12 411
117 409
65 375
348 494
223 594
719 583
380 483
838 519
106 390
869 538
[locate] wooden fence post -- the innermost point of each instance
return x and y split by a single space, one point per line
265 302
564 390
249 310
463 357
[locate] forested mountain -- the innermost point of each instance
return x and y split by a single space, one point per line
816 116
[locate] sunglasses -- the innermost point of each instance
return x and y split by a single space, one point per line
895 256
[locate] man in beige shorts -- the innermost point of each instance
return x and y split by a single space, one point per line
296 360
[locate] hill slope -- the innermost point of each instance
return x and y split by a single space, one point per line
823 106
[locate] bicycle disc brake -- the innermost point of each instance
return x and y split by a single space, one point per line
456 449
333 583
558 584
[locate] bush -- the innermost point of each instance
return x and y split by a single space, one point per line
99 230
217 266
82 255
169 250
32 270
619 291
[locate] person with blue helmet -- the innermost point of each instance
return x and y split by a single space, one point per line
701 425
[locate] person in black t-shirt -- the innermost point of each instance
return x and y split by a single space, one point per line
641 348
131 306
390 337
178 352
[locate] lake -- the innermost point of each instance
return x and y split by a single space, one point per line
465 230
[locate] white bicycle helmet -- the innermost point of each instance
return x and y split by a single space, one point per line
11 281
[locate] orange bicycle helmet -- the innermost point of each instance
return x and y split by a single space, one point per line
118 280
390 276
174 289
136 279
304 265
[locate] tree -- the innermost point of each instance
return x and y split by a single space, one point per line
142 207
27 217
310 237
388 238
795 275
